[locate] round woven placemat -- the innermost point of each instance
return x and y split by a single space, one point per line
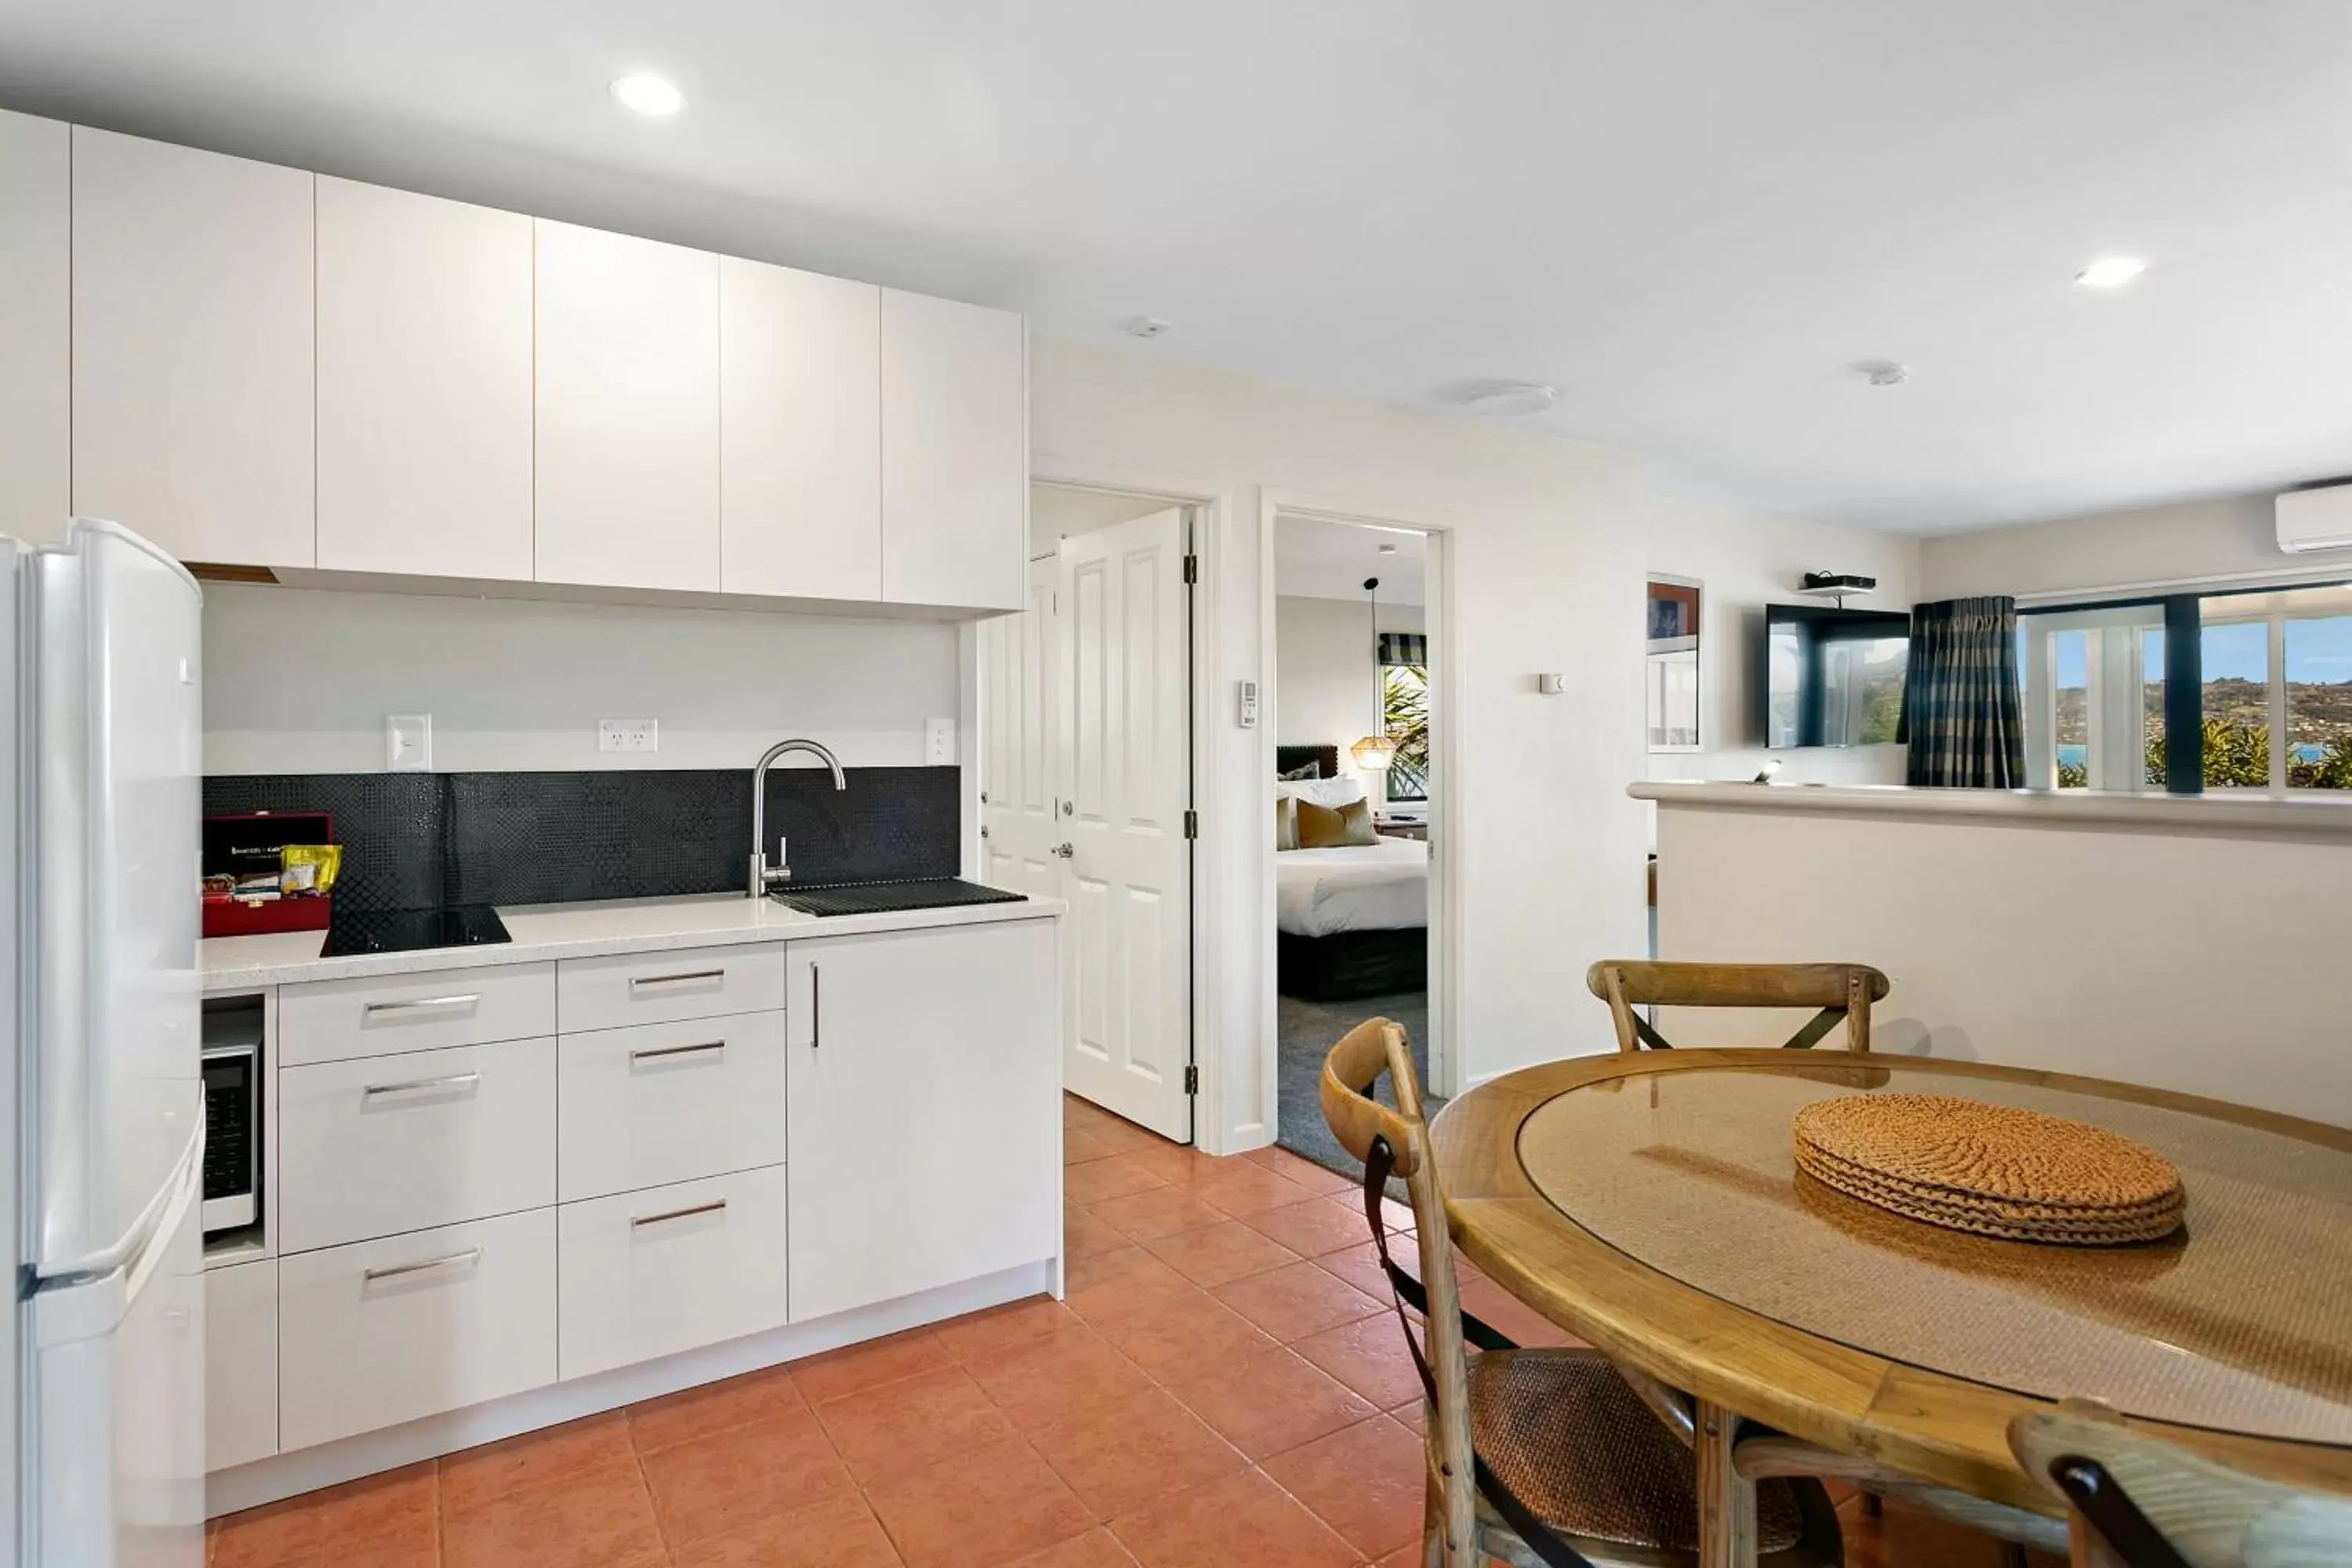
1993 1170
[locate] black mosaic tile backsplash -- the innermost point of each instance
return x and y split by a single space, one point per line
414 840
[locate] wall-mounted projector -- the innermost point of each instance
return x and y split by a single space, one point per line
1838 583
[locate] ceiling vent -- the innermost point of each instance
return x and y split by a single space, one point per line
2316 519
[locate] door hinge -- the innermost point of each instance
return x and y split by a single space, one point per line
1192 1080
1191 824
1192 568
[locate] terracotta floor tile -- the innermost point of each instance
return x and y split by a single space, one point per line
1269 1403
384 1519
1079 1145
913 1422
1412 1415
714 1407
985 1506
1115 1177
730 1480
604 1519
1084 1236
558 1455
1120 1455
1175 1344
1312 1229
1247 1187
1178 1163
1296 1300
1051 1380
1157 1212
1511 1317
1242 1522
1210 1257
1096 1549
977 1336
1368 1355
1360 1266
1143 1287
841 1532
1304 1171
1124 1136
853 1367
1403 1557
1364 1481
1084 1272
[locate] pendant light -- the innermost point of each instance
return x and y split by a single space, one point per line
1375 752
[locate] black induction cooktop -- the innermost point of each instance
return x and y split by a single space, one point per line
880 898
404 930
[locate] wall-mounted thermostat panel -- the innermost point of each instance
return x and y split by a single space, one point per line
1245 704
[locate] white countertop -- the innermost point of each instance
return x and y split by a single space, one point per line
2297 815
542 932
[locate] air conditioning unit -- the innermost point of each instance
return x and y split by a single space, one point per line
2316 519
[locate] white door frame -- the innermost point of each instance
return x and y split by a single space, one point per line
1444 753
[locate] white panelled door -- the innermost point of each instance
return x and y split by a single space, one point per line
1019 815
1122 644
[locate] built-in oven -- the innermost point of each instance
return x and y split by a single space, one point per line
232 1073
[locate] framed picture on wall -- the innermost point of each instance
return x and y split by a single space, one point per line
1672 667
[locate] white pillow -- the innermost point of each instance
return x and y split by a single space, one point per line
1345 790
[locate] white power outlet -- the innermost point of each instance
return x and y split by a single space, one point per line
628 734
939 742
408 743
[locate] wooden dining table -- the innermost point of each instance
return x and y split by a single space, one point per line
1648 1204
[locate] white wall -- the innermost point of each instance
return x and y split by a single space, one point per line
2192 961
300 680
2230 539
1744 561
1323 670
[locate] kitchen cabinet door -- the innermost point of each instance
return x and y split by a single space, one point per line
799 474
35 313
192 345
240 1363
923 1110
627 411
424 384
955 453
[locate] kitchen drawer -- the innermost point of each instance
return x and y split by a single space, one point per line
240 1363
389 1330
331 1020
662 988
669 1102
650 1274
391 1143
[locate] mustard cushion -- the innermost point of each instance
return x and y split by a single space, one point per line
1334 828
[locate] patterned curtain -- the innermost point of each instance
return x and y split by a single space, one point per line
1962 717
1404 647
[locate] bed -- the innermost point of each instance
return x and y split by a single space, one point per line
1350 922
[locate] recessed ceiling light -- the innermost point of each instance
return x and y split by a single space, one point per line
650 95
1507 399
2111 272
1144 326
1388 549
1882 371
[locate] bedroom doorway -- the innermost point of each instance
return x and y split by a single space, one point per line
1353 709
1086 785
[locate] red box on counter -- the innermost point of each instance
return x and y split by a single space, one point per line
254 843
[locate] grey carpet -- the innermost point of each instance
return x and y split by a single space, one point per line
1307 1032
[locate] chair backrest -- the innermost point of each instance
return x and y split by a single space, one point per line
2136 1502
1843 993
1363 1126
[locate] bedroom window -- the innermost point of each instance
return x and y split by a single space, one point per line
1404 712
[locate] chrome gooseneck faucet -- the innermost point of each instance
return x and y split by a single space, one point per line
762 878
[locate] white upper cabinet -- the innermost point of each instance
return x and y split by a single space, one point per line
800 475
955 454
192 349
627 411
36 346
424 384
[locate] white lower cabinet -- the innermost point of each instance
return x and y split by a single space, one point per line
666 1103
652 1273
386 1331
380 1144
240 1363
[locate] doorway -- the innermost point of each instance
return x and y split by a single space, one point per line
1355 706
1086 785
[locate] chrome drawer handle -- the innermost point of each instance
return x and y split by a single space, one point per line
637 980
711 1207
655 1056
421 1004
471 1254
455 1080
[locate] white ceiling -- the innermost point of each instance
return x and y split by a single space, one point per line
1691 217
1314 559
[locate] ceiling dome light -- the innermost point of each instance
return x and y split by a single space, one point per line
1882 371
1144 326
649 95
1507 399
2111 272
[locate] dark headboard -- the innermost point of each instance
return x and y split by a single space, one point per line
1290 759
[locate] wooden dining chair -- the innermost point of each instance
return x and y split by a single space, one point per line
1544 1458
1843 993
2136 1502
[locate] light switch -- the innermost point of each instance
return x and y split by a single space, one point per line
408 743
939 742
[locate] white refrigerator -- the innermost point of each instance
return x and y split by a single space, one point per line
100 708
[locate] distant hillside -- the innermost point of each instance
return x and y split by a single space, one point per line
2317 711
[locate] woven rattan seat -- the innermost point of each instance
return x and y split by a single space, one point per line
1578 1446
